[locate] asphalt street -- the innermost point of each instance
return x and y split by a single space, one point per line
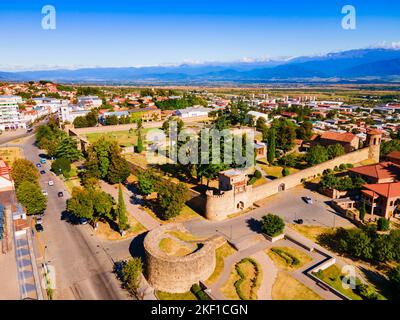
83 269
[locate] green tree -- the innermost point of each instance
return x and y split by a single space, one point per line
271 152
171 199
394 276
363 211
272 225
30 196
61 166
118 170
383 224
335 150
131 273
24 170
81 204
68 149
147 182
317 155
139 145
121 212
285 172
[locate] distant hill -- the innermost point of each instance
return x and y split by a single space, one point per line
378 64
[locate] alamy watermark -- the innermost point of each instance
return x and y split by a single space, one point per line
49 20
349 21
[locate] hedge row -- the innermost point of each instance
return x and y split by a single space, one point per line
239 282
289 258
198 292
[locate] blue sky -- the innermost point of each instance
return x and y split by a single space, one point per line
135 33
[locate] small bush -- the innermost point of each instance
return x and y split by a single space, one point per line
285 172
336 169
198 292
367 292
253 180
290 259
258 174
342 167
383 224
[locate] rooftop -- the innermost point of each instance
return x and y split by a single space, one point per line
336 136
387 190
382 170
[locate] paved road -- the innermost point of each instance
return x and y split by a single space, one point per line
13 135
83 269
289 205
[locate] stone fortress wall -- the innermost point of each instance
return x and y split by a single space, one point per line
176 274
219 206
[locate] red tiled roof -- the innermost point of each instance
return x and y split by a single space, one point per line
382 170
394 155
374 132
336 136
387 190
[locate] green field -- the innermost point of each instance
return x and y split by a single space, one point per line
124 138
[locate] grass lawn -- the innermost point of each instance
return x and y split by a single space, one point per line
220 255
175 296
137 159
105 231
250 277
71 184
175 248
284 257
311 232
124 138
10 154
184 236
333 277
276 171
288 288
186 214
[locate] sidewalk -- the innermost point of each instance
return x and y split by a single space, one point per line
143 217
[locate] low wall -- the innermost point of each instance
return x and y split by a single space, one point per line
293 180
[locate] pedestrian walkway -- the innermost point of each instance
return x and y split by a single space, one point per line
27 272
141 216
269 274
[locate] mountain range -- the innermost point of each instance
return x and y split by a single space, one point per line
370 65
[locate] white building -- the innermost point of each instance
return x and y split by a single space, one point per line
195 111
9 113
256 115
69 113
89 102
52 103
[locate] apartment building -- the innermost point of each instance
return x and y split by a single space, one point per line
9 113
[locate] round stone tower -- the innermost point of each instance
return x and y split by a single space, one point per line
374 138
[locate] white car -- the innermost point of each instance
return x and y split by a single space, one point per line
308 200
45 193
51 183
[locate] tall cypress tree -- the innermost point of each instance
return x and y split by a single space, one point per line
121 212
271 146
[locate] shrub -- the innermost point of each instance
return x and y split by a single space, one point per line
198 292
394 276
272 225
336 169
258 174
349 166
131 273
383 224
362 211
253 180
239 282
285 172
367 292
290 259
342 167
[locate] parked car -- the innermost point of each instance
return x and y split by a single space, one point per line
38 165
45 193
60 194
42 172
308 200
82 221
51 183
39 220
299 221
43 161
39 227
